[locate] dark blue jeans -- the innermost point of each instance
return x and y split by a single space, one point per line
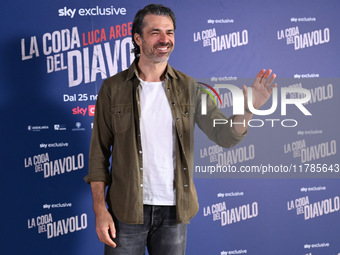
160 234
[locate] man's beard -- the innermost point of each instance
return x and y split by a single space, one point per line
160 57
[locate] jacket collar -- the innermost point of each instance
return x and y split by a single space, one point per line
132 71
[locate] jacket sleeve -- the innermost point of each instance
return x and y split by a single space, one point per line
101 139
222 132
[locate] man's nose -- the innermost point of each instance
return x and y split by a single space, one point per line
163 38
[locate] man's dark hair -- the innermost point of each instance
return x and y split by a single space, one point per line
138 21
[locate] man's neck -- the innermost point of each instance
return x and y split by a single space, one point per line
151 72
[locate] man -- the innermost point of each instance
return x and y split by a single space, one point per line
144 119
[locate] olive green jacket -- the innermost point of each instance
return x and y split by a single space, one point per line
116 133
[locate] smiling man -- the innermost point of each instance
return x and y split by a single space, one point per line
144 120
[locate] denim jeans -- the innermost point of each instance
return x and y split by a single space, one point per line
160 234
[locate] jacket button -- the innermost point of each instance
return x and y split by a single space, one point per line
186 185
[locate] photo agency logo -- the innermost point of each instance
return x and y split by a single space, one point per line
239 104
204 97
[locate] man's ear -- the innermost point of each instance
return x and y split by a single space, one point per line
138 39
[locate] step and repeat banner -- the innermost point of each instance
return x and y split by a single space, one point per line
277 192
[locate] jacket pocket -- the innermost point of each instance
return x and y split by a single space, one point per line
122 118
187 110
188 113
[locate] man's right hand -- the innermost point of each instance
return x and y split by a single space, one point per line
105 227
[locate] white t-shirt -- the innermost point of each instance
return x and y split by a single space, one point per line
158 145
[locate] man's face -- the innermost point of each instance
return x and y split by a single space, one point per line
158 39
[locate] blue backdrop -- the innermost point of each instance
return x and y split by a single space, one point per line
277 192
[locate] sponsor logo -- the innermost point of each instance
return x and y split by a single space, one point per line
234 252
79 111
59 127
94 11
83 111
37 128
92 109
57 205
53 145
78 127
